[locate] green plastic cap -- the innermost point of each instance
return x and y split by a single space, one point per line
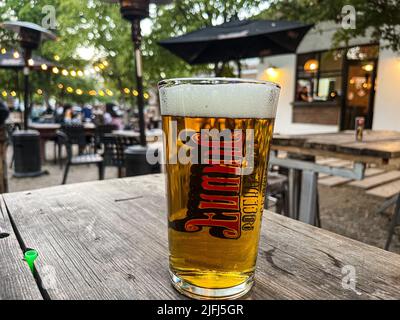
30 257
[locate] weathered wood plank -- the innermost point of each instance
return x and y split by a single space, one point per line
373 172
16 280
333 181
346 156
387 190
380 144
108 240
376 180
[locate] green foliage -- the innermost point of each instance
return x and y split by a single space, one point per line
382 17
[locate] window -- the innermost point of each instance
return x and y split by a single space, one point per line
319 76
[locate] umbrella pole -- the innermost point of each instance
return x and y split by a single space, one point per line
137 40
27 56
239 68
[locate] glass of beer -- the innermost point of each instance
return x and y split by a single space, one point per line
217 134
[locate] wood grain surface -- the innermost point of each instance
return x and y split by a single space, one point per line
108 240
16 279
378 144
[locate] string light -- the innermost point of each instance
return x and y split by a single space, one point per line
79 92
3 51
109 92
16 54
101 93
69 89
146 95
4 93
55 70
31 62
56 57
127 91
64 72
80 73
60 86
44 67
72 73
96 68
135 93
92 92
105 63
13 93
39 91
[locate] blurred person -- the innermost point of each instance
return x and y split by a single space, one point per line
48 114
59 114
67 113
87 113
304 95
98 115
113 116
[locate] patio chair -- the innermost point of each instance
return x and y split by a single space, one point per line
82 159
395 222
99 133
11 128
114 147
76 136
277 187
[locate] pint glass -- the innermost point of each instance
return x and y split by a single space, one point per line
217 134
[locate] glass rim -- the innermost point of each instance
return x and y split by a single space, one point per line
216 80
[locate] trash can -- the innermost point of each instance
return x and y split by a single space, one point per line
136 163
27 162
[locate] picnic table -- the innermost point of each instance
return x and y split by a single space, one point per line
48 131
108 240
151 135
378 148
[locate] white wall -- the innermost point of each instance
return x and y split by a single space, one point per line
387 97
285 76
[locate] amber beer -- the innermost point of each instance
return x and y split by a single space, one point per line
215 195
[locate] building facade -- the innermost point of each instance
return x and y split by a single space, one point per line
324 89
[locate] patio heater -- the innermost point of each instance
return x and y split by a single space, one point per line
134 11
27 142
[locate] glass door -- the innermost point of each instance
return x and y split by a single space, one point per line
360 84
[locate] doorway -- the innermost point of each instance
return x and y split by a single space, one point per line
359 93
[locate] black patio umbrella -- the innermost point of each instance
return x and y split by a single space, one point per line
237 40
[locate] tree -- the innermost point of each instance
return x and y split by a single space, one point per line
99 26
182 17
381 17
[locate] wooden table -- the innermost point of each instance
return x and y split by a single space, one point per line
151 135
381 148
48 131
108 240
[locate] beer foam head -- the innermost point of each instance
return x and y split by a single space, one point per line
219 97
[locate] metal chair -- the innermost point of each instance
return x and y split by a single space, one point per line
114 147
277 188
82 159
11 128
76 136
99 133
395 222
